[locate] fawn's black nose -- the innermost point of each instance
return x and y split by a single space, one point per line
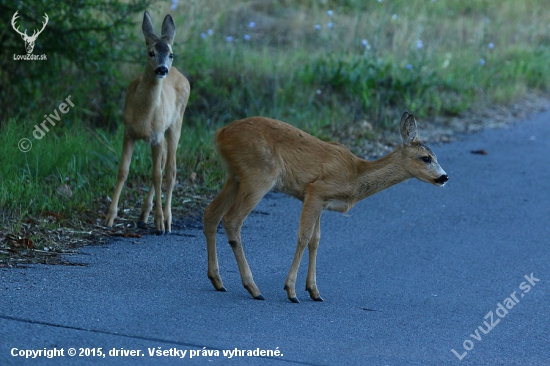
442 179
161 71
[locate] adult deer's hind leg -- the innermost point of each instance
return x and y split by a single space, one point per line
148 203
248 196
211 219
146 208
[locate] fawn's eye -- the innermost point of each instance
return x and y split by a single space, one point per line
151 54
426 159
171 55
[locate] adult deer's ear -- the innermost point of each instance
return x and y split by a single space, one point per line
168 29
148 31
408 128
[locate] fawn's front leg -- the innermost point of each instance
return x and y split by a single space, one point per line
311 281
311 212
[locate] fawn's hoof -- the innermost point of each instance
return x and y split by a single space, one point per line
312 295
259 297
294 299
217 283
141 224
159 232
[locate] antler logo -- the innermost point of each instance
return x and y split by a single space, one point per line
29 40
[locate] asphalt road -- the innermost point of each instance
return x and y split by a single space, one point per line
409 275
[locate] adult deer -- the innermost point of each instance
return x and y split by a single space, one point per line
261 154
153 111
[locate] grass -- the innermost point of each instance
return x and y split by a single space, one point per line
87 162
432 57
376 59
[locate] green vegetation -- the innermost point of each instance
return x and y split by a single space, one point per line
82 40
320 65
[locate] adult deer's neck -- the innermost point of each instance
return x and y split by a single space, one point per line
149 89
375 176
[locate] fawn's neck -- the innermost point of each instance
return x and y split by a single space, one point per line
375 176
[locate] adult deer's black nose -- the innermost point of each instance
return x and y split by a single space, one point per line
161 71
442 179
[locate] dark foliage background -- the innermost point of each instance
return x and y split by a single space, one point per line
82 38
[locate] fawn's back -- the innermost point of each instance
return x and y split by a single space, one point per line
260 148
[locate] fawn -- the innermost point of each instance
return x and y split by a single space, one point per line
261 154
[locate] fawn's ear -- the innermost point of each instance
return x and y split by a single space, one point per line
148 31
168 29
408 128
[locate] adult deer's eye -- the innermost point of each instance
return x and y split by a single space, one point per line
151 54
426 159
171 55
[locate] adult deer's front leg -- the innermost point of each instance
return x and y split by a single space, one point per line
311 211
172 139
124 167
157 151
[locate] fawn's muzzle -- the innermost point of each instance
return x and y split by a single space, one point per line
442 179
161 71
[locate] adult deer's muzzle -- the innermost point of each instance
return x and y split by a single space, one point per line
161 71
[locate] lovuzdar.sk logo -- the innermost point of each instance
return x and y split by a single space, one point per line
29 40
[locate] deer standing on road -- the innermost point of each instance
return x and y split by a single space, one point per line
261 154
153 111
